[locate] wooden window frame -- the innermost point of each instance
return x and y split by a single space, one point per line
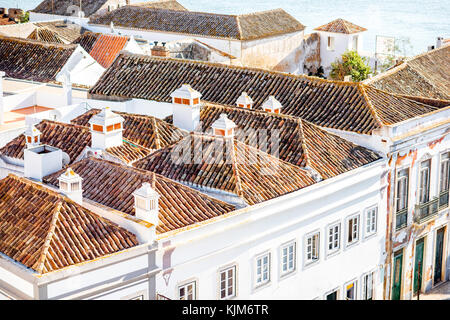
226 288
185 286
315 248
355 234
332 227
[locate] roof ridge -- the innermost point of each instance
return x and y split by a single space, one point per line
397 95
251 69
39 43
156 130
303 142
64 124
372 109
234 166
43 256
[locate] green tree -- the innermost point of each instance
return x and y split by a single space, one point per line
25 17
350 63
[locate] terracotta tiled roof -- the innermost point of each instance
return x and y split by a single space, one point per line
45 231
87 40
243 27
6 20
128 152
71 139
300 142
65 30
425 75
33 60
146 131
161 4
45 35
229 165
179 205
341 105
59 7
107 47
341 26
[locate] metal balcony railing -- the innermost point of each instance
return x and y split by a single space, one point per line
401 218
427 210
443 200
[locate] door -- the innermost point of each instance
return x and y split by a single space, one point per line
397 281
418 266
332 296
438 255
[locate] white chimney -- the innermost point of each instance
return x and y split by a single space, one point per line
2 120
272 105
146 202
223 126
111 26
106 129
32 136
439 42
348 78
186 108
70 185
67 86
41 161
244 101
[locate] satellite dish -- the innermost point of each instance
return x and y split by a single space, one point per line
65 158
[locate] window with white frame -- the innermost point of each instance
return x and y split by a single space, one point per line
288 258
424 181
312 248
334 237
371 220
187 291
140 297
353 229
262 272
367 286
228 283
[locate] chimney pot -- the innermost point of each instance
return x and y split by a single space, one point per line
70 184
186 107
244 101
223 127
146 203
106 129
272 105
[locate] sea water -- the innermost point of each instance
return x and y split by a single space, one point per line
414 23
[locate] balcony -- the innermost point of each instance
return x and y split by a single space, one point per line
443 200
426 210
401 218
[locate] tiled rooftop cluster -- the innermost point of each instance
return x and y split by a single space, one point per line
299 142
59 7
46 231
228 165
179 206
340 105
240 27
33 60
425 75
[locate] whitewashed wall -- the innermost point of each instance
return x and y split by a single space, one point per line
342 43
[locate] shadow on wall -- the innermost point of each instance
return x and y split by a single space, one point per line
305 59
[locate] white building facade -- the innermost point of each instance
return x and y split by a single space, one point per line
316 243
